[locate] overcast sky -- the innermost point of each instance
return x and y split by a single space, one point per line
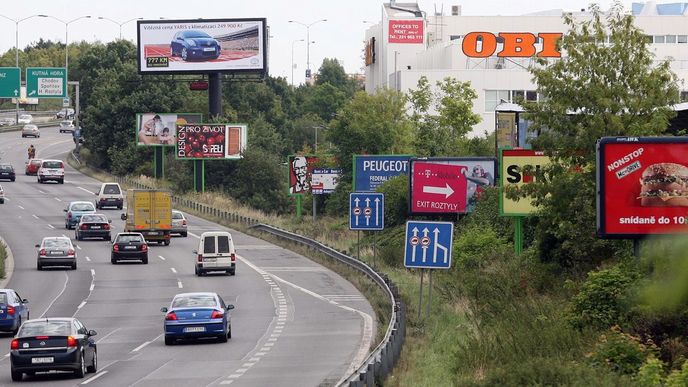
341 36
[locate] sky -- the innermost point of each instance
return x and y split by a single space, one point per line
341 36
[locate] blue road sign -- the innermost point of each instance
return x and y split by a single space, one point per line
366 211
428 245
370 171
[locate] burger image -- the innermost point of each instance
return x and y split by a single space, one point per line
664 185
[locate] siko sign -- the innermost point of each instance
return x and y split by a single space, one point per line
516 168
514 44
372 171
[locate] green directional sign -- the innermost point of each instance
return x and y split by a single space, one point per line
46 82
10 82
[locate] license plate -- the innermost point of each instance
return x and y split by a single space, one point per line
56 253
5 174
111 200
39 360
194 329
153 233
129 247
209 49
95 227
209 259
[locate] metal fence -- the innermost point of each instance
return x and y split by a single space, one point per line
379 364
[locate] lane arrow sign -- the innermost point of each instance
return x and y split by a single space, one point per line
447 191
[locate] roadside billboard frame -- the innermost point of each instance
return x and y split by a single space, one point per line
354 169
503 176
243 133
140 118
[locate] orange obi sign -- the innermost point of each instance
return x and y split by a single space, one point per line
514 44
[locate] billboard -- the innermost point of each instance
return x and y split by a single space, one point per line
371 171
324 180
515 166
450 185
161 128
22 98
200 46
642 185
300 173
211 141
406 31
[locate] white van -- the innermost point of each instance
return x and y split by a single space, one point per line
215 253
109 195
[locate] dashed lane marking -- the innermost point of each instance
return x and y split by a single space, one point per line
96 376
173 270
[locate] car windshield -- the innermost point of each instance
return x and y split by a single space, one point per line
177 215
93 219
5 167
56 243
82 207
128 238
66 123
45 328
52 164
3 298
35 162
196 34
111 189
25 116
193 301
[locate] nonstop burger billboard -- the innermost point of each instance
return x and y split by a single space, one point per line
202 45
211 141
642 185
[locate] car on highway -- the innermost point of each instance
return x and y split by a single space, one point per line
194 44
75 210
53 344
93 226
197 315
179 224
7 172
6 121
30 130
66 126
109 195
128 246
51 170
66 114
25 119
215 253
2 195
13 310
32 166
56 251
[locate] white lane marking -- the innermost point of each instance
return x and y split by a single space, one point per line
34 215
90 291
84 189
260 353
93 273
51 226
253 359
64 287
20 206
161 257
179 283
96 376
193 235
173 270
58 199
88 259
227 382
93 285
41 191
83 303
103 338
78 247
141 346
241 370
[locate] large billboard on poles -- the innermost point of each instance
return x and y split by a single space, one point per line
161 128
211 141
202 45
642 185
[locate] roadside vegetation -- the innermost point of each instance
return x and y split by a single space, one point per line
3 259
571 310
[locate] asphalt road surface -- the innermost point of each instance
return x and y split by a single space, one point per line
296 323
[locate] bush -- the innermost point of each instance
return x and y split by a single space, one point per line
396 200
486 214
651 372
391 246
621 352
678 378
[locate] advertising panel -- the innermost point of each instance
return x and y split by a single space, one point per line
211 141
324 180
161 128
506 129
406 31
300 173
515 169
448 185
371 171
642 185
196 46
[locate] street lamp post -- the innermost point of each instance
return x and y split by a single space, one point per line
119 24
292 59
308 42
66 23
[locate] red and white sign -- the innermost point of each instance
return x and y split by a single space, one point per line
406 31
438 188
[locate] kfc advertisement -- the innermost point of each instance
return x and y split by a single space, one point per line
406 31
301 173
642 186
211 141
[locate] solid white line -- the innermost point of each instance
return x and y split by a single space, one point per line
84 189
161 257
227 382
78 247
103 338
179 283
96 376
173 270
88 259
140 346
41 191
51 226
64 287
34 215
93 273
83 303
193 235
90 289
58 199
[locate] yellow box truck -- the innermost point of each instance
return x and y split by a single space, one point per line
149 211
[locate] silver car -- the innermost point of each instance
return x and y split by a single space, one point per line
56 251
25 119
66 126
4 121
178 223
31 130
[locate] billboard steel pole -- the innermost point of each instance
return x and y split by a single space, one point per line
215 110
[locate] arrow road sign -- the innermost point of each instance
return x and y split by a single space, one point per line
366 211
9 82
46 82
446 190
433 239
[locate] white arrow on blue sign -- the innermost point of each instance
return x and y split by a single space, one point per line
428 245
366 211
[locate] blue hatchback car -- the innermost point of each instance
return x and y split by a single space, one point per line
13 310
196 315
74 211
194 44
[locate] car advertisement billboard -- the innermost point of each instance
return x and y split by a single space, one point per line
449 185
200 46
371 171
161 128
642 185
516 168
211 141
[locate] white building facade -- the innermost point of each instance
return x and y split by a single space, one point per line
408 44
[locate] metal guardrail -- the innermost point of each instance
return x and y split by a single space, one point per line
380 362
16 128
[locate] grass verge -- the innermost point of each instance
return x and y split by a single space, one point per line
3 259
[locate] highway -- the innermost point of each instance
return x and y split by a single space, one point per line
296 323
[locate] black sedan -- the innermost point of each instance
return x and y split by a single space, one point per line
92 226
7 172
53 344
129 245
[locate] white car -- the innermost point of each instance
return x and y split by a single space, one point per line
51 170
215 253
2 195
25 119
66 126
179 225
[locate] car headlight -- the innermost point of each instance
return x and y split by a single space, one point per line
192 43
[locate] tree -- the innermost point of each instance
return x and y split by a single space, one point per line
333 73
598 89
442 118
